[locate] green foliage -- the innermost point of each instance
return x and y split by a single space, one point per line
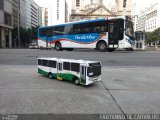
152 36
34 32
26 35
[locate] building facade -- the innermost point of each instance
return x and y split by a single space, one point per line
123 7
15 12
45 17
81 10
135 21
36 15
152 18
148 20
55 13
141 22
30 14
5 23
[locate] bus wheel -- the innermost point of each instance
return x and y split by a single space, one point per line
102 46
76 82
111 49
58 46
50 75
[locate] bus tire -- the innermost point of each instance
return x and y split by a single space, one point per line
50 75
58 46
76 82
102 46
111 49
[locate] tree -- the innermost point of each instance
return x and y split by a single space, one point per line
153 37
157 34
25 37
34 32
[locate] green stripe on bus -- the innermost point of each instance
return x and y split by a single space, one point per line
40 71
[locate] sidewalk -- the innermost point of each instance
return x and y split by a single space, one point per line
122 90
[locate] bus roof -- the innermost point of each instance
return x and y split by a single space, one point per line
70 60
77 22
85 21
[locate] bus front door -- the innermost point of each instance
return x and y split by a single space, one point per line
59 67
83 74
59 71
48 38
112 35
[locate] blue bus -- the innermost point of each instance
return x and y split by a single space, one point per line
100 34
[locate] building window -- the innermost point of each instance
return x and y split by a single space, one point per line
124 3
77 3
7 19
1 4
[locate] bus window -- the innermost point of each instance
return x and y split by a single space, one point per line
88 27
45 63
111 28
66 65
100 27
39 61
49 32
58 30
52 64
67 29
75 67
42 32
77 29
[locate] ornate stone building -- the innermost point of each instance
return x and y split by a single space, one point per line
123 7
81 10
92 10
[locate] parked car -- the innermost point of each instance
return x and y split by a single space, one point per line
33 45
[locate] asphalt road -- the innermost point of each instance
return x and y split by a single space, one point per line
117 58
130 85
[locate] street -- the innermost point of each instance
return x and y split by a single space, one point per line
117 58
130 84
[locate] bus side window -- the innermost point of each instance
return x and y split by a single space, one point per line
66 66
52 64
75 67
45 63
79 29
39 61
67 29
42 32
58 30
111 27
49 32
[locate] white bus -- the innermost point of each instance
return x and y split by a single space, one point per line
101 34
78 71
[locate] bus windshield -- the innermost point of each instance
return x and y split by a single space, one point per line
94 71
129 29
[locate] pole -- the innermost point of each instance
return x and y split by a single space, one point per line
19 41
